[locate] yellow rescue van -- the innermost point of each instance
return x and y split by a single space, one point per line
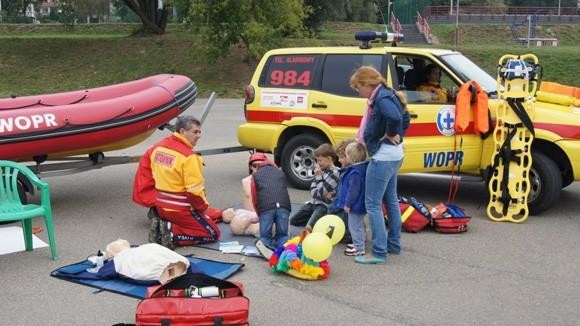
299 98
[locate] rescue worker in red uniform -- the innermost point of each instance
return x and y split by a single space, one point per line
169 180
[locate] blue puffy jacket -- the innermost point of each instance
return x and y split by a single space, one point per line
351 188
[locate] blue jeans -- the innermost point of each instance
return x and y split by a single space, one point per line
356 225
344 217
381 187
280 217
308 214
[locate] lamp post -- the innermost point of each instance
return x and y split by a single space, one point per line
559 3
450 7
529 30
388 13
456 22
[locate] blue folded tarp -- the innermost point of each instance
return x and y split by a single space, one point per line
137 289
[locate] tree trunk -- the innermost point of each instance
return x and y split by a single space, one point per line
154 20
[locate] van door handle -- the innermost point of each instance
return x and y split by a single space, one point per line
413 115
319 105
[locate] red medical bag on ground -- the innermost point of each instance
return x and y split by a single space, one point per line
449 218
451 225
414 214
194 299
413 221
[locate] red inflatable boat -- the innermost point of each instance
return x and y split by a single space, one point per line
35 128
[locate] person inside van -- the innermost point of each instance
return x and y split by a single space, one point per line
414 75
430 89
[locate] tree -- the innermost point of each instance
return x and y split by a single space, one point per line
361 11
121 9
320 11
67 14
182 8
258 25
16 8
91 8
153 14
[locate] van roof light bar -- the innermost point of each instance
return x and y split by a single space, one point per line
366 37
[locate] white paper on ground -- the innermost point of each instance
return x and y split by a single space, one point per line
12 240
250 251
233 249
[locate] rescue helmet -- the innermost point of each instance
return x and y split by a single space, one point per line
256 157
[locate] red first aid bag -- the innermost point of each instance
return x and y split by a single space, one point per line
413 221
451 219
194 299
414 214
451 224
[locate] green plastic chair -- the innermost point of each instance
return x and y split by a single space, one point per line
12 208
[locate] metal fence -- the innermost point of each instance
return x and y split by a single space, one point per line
406 10
430 11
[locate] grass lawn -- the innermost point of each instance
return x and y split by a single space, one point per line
485 44
46 65
37 59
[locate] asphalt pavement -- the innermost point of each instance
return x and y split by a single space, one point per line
495 274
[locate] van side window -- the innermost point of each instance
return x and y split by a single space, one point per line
339 67
290 71
423 81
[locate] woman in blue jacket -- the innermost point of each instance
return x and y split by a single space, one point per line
382 128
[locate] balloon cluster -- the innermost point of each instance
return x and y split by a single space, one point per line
305 256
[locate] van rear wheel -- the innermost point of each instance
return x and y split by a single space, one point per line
298 161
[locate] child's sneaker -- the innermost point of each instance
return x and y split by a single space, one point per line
350 245
353 252
264 250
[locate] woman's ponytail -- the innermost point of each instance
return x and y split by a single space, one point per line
403 99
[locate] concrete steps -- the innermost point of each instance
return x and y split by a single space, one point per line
412 34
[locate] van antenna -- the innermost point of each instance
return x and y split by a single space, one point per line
382 15
397 36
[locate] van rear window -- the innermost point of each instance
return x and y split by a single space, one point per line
290 71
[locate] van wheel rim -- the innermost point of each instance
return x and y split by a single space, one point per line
303 162
535 185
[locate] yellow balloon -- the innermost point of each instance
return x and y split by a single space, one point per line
317 246
332 226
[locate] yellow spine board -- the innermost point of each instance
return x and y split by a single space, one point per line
509 198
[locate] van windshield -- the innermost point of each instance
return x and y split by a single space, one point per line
467 70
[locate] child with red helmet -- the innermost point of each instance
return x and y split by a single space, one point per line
270 198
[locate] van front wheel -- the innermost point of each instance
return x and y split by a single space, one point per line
298 161
545 183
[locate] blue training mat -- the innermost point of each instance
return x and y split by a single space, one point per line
77 273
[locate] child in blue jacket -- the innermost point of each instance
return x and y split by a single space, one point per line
351 196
